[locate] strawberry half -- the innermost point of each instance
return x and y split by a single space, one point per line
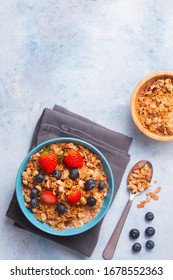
48 161
74 197
48 197
73 159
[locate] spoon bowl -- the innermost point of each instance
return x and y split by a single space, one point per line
139 165
143 170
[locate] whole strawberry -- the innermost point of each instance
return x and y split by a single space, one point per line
73 159
48 161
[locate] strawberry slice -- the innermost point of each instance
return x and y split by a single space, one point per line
74 197
48 161
73 159
49 197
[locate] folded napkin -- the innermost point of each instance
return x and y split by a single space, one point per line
60 122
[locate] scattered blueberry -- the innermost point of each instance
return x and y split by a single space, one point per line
136 247
61 208
101 185
150 244
134 233
74 173
57 174
149 216
90 184
39 178
33 193
150 231
91 201
33 202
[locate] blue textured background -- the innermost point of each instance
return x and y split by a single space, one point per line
86 56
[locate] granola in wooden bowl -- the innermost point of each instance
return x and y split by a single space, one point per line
152 106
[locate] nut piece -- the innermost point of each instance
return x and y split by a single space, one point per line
141 204
38 188
158 189
152 195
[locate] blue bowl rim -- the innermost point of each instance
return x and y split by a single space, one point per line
69 231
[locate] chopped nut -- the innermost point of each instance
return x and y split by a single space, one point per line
35 172
28 170
61 189
25 175
27 198
154 196
158 189
38 188
141 204
148 198
43 217
148 193
25 182
83 200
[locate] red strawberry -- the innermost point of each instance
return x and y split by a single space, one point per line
73 159
48 161
74 197
49 197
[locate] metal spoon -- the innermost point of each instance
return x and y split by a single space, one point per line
113 241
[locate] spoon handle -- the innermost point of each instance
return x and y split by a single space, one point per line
113 241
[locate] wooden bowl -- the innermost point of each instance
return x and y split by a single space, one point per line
133 107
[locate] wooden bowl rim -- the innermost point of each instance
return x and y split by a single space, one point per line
140 84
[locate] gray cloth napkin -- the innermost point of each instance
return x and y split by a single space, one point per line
60 122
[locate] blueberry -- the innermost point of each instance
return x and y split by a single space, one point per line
74 173
150 231
150 244
136 247
33 202
57 174
61 208
149 216
39 178
90 184
134 233
33 193
101 185
91 201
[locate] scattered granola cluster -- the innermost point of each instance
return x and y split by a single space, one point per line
139 178
155 107
149 196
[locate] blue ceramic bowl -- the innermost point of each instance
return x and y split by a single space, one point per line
69 231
